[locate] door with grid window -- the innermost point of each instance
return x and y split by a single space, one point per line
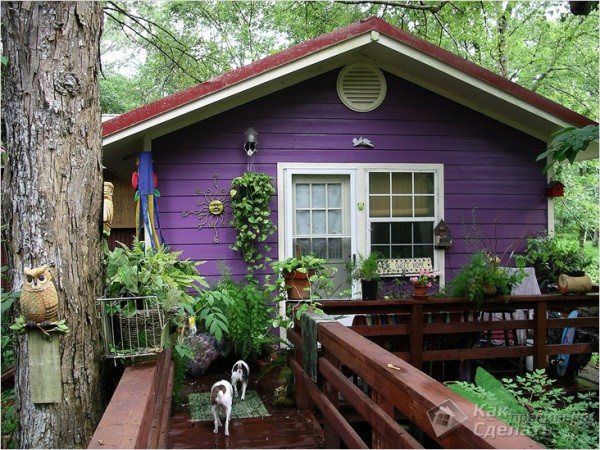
321 222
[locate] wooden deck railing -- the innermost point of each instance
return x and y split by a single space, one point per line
138 413
416 330
398 389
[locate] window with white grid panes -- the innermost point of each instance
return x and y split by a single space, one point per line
402 213
320 220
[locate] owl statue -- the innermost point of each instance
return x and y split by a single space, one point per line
39 299
108 212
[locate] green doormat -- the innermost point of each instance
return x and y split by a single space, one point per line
252 406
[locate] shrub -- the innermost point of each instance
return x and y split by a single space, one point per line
550 256
537 409
247 311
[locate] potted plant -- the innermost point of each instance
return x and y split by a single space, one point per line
421 283
366 269
303 277
483 277
141 285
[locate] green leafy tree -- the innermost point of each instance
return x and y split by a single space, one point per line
539 45
577 212
567 143
119 94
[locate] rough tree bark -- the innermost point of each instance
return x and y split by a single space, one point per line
52 198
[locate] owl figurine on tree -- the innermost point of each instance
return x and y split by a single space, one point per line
39 299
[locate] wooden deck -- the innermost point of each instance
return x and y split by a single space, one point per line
284 428
351 360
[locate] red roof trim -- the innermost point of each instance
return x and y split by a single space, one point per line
327 40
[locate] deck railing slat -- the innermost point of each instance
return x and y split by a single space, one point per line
333 416
382 422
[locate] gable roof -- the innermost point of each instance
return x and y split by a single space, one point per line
372 39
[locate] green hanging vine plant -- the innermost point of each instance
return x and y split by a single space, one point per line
251 195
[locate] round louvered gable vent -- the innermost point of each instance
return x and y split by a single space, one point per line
361 87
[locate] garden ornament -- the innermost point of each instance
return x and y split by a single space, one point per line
39 299
146 213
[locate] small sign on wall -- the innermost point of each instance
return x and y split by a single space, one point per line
403 266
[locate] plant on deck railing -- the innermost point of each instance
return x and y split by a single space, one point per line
482 277
551 256
536 409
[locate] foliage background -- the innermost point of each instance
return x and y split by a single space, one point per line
151 49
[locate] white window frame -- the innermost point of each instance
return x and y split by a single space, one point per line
437 170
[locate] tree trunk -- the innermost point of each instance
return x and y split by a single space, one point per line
504 12
52 199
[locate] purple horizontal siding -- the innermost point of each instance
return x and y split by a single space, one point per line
489 168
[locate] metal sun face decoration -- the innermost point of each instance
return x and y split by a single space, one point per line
214 209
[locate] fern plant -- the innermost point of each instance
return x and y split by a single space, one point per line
366 267
136 271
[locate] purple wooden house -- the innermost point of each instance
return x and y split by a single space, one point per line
375 138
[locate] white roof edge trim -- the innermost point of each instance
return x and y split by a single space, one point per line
252 82
468 79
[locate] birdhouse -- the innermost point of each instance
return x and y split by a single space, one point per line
443 238
555 189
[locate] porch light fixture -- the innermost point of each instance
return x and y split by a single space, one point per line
250 141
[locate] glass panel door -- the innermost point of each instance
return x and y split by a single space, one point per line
321 221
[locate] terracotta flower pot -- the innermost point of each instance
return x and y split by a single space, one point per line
299 285
489 290
420 291
263 364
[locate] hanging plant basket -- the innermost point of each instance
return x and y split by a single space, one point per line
132 326
251 195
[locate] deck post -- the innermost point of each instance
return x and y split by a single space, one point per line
302 400
416 336
540 335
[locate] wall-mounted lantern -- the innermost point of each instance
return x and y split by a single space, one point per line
250 141
555 189
442 236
